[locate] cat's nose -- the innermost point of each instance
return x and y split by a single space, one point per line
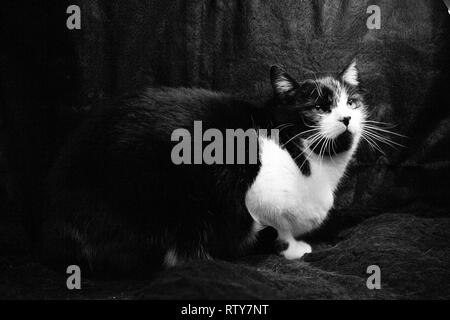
345 120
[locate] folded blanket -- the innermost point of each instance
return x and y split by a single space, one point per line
412 253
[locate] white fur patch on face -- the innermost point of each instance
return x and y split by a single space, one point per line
351 75
331 124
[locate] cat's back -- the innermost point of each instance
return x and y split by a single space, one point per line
166 109
131 134
150 115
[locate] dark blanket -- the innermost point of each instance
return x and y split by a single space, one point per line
391 211
412 252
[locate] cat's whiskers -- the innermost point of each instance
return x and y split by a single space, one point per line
310 141
372 144
316 140
386 125
384 140
306 158
369 126
331 145
372 133
284 126
310 126
299 134
327 147
320 151
379 137
328 137
334 151
322 142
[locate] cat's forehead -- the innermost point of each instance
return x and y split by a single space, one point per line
326 89
329 82
330 86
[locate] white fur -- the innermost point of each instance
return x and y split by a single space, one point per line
351 74
171 258
296 249
292 203
283 84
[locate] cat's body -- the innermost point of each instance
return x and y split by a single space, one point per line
117 202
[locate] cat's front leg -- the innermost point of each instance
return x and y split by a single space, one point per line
296 249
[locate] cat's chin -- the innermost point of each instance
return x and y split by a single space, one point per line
342 142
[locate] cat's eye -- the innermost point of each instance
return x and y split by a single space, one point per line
352 103
324 108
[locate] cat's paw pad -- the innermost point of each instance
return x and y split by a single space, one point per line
296 250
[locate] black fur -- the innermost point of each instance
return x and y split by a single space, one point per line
115 186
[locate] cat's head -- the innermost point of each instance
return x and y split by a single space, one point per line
327 114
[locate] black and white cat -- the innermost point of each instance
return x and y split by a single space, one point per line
118 203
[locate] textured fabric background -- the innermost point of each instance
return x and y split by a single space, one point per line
392 210
230 45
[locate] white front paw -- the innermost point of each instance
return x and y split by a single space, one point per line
296 250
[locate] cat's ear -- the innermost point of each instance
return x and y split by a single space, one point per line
350 74
282 83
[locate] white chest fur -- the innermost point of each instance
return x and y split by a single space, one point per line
285 199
